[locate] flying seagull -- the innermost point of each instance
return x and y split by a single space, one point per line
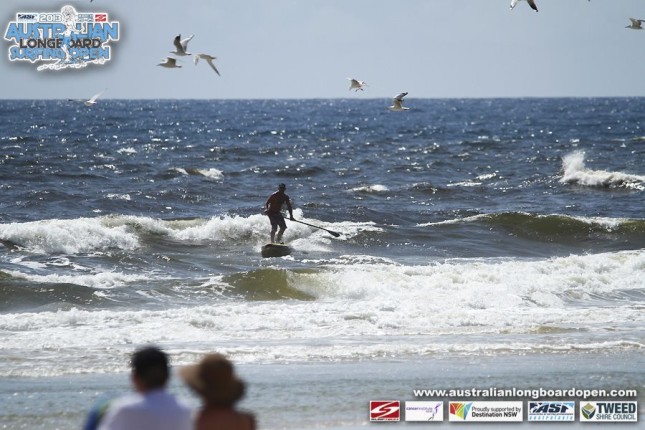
397 103
209 59
92 101
169 62
181 46
356 85
530 2
636 24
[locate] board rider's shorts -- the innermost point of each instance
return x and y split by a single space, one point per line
277 220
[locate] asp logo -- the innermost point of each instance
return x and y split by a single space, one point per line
551 411
385 410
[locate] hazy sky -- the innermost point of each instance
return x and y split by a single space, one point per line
307 49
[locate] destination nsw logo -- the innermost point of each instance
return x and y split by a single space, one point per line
486 411
61 40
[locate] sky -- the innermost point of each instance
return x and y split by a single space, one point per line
298 49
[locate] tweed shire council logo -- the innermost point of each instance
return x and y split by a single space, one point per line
61 40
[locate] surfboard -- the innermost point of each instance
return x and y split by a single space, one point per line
275 250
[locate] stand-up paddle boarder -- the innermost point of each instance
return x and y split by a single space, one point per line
273 208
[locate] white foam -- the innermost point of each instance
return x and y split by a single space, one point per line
130 151
464 184
255 228
376 188
103 280
68 236
607 222
85 235
365 308
575 171
211 173
115 196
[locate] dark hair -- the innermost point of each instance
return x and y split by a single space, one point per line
282 186
150 365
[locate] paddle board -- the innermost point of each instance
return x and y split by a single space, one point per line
275 250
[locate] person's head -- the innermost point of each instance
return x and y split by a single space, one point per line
282 187
214 379
150 369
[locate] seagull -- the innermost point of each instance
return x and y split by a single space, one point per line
397 103
636 24
530 2
209 59
356 85
169 62
181 46
92 101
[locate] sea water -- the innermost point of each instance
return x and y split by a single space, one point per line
504 235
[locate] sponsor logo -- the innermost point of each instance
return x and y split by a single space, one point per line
385 410
424 411
61 40
609 412
551 411
487 411
459 410
27 17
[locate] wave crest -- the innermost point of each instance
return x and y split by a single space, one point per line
575 172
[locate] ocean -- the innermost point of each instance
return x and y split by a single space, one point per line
481 242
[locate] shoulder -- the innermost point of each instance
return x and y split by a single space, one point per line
250 420
120 410
225 418
127 401
137 411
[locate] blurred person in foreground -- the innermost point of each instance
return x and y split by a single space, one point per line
215 382
150 407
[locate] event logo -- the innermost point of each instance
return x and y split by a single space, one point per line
424 411
551 411
385 410
61 40
609 412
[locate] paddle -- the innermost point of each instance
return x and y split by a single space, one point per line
333 233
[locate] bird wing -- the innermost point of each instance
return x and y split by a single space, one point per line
184 43
514 3
397 104
532 4
178 45
96 96
209 60
399 97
